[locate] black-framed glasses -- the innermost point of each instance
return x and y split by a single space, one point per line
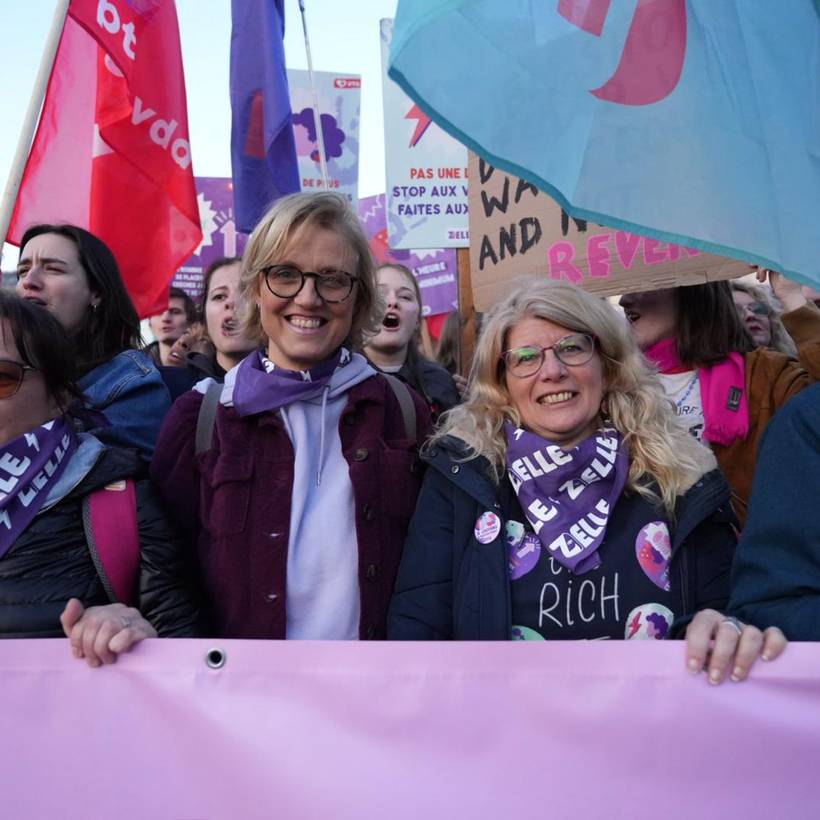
285 281
757 308
573 350
11 377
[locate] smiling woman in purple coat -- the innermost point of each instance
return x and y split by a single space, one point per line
298 477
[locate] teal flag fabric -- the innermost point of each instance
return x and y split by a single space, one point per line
690 121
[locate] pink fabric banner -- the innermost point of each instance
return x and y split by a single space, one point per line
393 731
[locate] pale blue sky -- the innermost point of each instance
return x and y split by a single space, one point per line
344 37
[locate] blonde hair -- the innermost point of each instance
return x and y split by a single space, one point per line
275 232
664 459
780 339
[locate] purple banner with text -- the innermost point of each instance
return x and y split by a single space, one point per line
219 234
311 729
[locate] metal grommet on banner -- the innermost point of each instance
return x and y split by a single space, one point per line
215 658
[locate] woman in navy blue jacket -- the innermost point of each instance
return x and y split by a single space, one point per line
563 500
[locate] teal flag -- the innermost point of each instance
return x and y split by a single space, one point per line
690 121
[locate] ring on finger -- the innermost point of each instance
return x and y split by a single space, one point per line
734 622
126 621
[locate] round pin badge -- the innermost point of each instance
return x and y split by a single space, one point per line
487 527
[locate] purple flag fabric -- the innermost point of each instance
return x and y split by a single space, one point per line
402 731
263 151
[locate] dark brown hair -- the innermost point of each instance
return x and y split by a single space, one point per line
709 327
111 327
222 262
42 343
188 304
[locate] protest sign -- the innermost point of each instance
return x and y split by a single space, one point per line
219 234
516 229
339 98
347 729
436 270
426 172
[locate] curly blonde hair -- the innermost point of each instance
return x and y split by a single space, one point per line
780 339
272 236
664 459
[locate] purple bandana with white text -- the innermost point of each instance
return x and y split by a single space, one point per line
29 466
260 386
568 495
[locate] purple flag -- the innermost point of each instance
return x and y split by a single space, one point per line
263 152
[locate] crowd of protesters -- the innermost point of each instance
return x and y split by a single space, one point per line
284 462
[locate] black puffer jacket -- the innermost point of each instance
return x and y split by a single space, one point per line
50 562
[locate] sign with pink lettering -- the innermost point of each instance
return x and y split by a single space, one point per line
214 196
516 229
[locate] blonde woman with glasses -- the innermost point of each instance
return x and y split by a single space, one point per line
563 501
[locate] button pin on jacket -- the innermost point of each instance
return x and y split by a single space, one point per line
487 527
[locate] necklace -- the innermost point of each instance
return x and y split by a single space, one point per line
685 396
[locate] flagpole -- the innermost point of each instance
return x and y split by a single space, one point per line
317 119
35 103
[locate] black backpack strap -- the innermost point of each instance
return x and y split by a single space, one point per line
207 418
408 408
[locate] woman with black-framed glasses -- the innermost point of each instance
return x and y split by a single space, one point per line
563 501
298 492
54 576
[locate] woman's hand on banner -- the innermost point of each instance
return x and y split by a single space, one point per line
720 644
100 633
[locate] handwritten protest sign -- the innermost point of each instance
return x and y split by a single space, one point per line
426 172
516 229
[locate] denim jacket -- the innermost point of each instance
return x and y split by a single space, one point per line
128 390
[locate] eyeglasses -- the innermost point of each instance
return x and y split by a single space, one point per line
573 350
757 308
285 281
11 377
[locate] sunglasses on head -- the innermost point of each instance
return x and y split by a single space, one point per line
11 377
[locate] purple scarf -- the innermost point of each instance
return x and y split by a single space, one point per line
572 491
260 386
29 467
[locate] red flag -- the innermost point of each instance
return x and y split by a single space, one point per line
111 153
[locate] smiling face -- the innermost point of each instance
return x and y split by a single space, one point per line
401 318
304 331
220 319
652 315
50 274
169 325
560 403
759 325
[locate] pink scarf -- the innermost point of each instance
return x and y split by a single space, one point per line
722 392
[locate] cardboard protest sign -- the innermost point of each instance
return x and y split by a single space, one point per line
339 97
219 234
516 229
426 172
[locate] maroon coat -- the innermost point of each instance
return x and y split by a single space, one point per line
235 499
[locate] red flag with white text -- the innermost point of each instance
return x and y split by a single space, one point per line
112 153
